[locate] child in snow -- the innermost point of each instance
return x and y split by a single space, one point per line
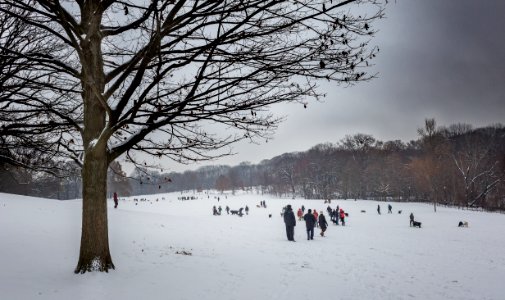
299 213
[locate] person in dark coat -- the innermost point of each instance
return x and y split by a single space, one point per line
246 210
337 211
290 221
379 209
322 223
116 200
310 221
227 210
390 209
303 209
411 219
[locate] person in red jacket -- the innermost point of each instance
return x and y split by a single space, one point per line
115 200
342 217
299 214
315 216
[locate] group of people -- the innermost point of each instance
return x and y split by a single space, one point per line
217 211
390 209
336 215
312 219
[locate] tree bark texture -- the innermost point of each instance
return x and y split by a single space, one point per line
94 252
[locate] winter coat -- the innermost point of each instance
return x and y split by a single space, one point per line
310 220
289 218
316 214
342 214
299 213
322 221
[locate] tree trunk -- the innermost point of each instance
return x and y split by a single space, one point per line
94 253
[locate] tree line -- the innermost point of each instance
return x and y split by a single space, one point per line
450 165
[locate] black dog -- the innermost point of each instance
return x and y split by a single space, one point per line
399 212
416 224
234 212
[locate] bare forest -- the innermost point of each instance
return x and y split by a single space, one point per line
455 165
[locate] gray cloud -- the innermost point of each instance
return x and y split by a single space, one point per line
439 58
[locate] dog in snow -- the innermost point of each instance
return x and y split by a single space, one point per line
463 224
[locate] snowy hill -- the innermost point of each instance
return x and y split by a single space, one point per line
373 257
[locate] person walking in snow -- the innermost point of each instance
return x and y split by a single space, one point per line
290 221
378 209
322 223
315 216
310 221
220 209
246 210
214 211
299 214
411 219
337 211
303 209
390 209
227 210
342 217
116 200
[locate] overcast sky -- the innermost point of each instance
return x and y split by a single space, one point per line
442 59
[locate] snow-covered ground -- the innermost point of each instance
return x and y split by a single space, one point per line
373 257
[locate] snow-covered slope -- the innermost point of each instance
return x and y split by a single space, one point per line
373 257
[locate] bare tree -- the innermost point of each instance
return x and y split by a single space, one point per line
161 77
477 164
